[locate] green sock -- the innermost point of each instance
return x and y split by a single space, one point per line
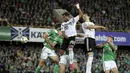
56 69
38 69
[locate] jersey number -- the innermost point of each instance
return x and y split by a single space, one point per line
66 27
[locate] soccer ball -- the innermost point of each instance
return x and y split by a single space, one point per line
24 39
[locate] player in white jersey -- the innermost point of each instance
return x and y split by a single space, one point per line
89 41
68 27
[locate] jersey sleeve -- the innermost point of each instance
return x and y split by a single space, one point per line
49 32
76 19
84 25
52 32
62 27
88 24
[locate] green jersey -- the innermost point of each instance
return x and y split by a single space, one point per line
108 53
54 38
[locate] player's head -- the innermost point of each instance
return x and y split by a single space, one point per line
65 16
110 38
86 17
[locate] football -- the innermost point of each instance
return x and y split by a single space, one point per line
24 39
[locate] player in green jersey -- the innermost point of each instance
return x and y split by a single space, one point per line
52 38
109 55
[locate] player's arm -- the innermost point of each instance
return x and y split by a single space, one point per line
113 46
95 27
79 10
45 36
76 19
100 45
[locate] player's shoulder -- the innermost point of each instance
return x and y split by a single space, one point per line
89 23
63 23
53 31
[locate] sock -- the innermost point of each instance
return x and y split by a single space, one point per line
71 53
38 69
71 56
56 69
89 64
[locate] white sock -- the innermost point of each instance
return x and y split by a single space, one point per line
71 56
89 64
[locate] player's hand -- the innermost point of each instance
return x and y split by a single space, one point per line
77 6
108 42
104 27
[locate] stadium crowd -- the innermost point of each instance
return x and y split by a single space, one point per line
27 12
114 14
23 58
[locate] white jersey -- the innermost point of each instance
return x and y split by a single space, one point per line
70 27
88 32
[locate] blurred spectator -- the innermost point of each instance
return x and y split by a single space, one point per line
114 14
27 12
15 59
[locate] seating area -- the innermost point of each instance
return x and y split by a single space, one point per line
113 14
24 58
27 12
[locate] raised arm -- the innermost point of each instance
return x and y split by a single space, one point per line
79 10
100 45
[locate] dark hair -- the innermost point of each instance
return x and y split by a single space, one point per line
111 37
66 14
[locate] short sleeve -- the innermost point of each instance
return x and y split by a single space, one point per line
76 18
51 32
86 24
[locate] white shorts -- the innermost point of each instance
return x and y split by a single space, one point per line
108 65
64 59
46 52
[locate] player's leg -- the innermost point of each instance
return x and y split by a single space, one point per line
89 45
62 68
62 63
56 67
107 66
52 55
115 70
114 67
89 62
107 71
44 56
75 64
41 63
71 53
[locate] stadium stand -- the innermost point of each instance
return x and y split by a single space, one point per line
27 12
17 58
114 14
